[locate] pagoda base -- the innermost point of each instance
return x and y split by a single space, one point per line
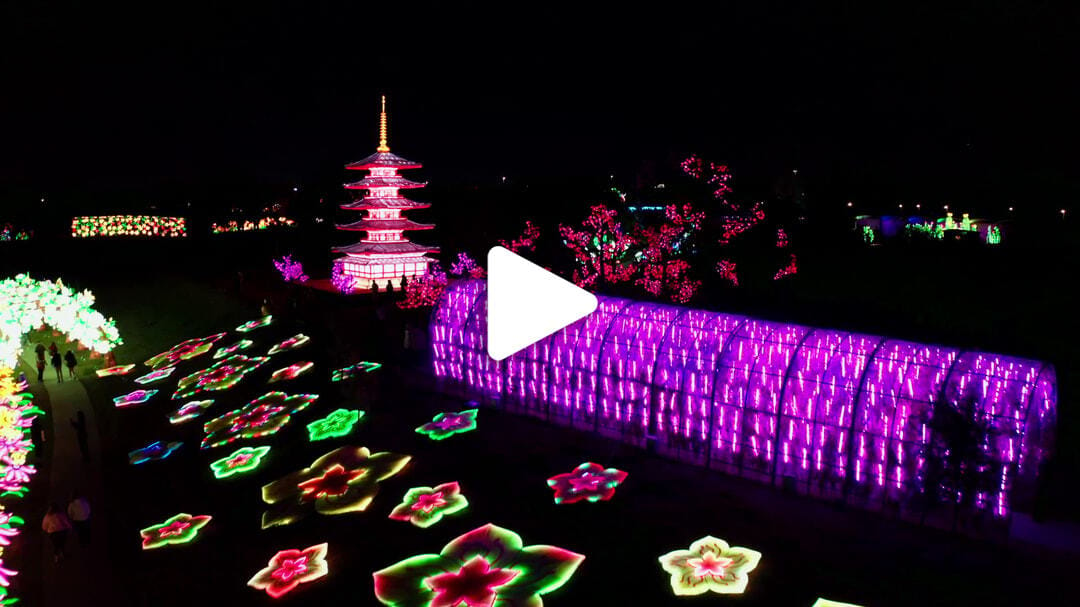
369 274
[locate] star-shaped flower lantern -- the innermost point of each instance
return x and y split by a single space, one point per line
183 351
487 566
292 343
179 529
290 568
337 424
155 375
710 564
190 411
425 506
233 348
261 417
588 481
251 325
244 459
137 397
341 481
291 372
447 424
221 375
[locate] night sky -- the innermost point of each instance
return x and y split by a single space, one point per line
872 103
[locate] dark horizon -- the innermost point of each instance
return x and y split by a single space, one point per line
868 103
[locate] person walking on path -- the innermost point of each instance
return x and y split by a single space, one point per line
70 361
58 365
53 349
78 511
79 423
40 370
57 525
37 435
40 351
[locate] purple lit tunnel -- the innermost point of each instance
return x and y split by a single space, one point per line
840 415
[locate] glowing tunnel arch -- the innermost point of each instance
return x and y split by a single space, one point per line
26 304
838 414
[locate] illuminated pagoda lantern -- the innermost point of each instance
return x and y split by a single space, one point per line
384 255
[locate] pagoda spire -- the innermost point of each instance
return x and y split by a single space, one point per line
382 129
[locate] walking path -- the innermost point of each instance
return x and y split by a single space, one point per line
84 577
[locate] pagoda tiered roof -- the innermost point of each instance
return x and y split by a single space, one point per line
381 261
383 160
385 224
377 202
371 181
385 248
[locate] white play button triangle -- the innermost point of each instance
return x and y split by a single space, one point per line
526 303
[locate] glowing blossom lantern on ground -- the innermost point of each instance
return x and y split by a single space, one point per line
224 351
296 341
588 481
341 481
486 566
710 565
244 459
117 370
153 452
337 424
291 372
183 351
179 529
833 414
154 376
190 411
352 371
384 255
290 568
263 416
258 323
449 423
221 375
425 506
137 397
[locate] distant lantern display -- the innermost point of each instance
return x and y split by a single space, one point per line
384 255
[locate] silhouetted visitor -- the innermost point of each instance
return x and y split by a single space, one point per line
53 349
37 434
79 423
78 511
40 350
57 525
70 361
404 282
41 369
58 364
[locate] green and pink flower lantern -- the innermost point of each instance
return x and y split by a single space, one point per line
292 343
179 529
291 372
261 417
136 397
224 351
251 325
710 565
589 481
425 506
290 568
488 566
183 351
190 411
221 375
342 481
447 424
337 424
244 459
